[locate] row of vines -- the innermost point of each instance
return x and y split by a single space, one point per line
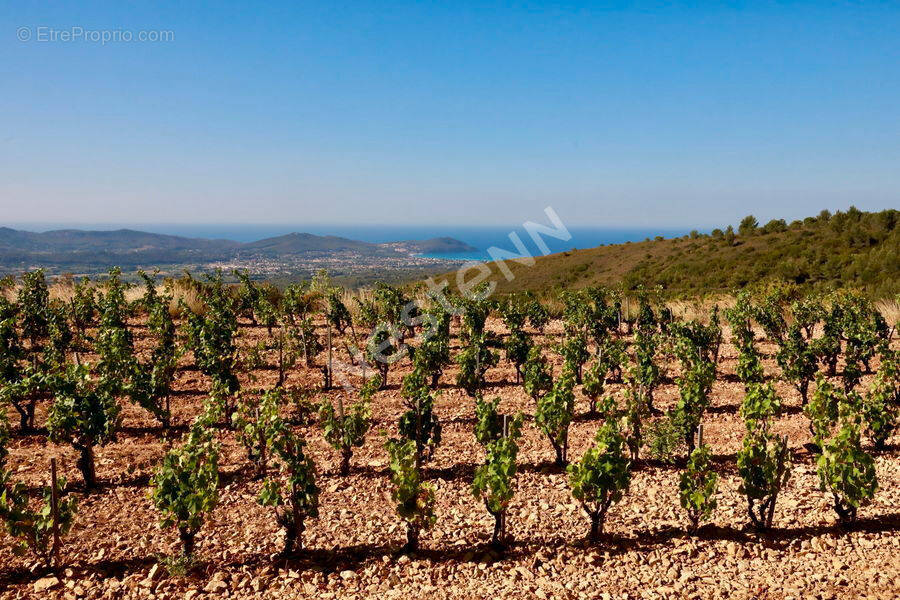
825 346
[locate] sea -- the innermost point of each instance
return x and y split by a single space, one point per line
479 237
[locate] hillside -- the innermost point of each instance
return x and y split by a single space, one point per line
95 251
852 248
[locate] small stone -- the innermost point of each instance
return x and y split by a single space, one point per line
45 583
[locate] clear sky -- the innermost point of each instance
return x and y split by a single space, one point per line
453 112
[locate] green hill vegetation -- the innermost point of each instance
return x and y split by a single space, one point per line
847 249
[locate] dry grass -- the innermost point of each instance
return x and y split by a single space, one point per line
890 310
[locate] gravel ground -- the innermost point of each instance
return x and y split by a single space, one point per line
351 550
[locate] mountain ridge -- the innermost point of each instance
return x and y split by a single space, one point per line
96 249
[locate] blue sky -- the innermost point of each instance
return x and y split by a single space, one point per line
470 113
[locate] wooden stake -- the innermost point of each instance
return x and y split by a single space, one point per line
328 379
700 435
54 511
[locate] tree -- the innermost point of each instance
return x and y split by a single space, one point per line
413 498
494 480
555 411
748 226
697 487
294 493
601 477
85 415
184 486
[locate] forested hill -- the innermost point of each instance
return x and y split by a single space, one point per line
845 249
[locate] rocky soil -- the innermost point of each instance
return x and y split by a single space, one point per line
351 551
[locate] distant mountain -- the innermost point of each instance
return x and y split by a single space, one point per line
79 250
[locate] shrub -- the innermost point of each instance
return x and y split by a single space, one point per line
33 303
574 352
83 307
34 528
488 422
255 422
345 430
151 381
517 346
646 371
59 337
764 467
601 477
433 354
882 400
764 462
536 378
474 360
336 313
847 471
594 384
694 386
494 480
211 337
293 493
85 415
184 486
636 408
381 351
419 424
413 498
555 411
665 440
248 296
797 359
114 345
697 487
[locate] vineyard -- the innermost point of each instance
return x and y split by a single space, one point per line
187 438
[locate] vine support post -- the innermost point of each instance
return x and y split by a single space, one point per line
328 370
700 435
54 511
281 356
502 536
